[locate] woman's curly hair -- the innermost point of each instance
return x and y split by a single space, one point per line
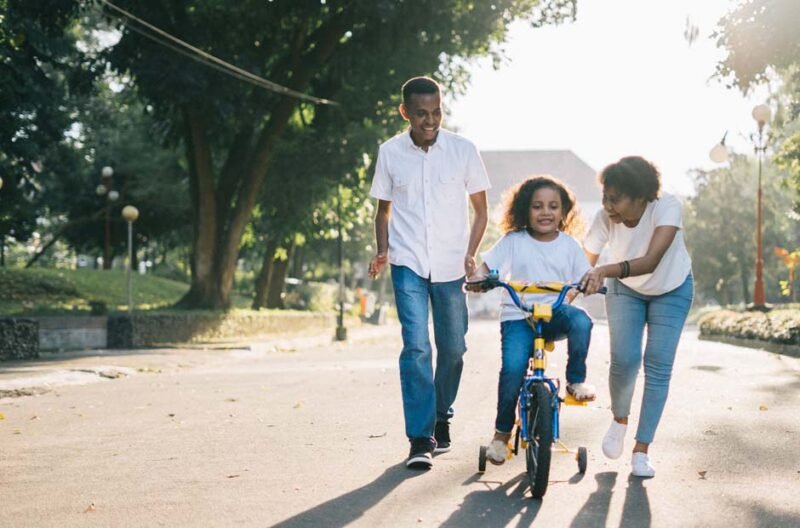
632 176
517 203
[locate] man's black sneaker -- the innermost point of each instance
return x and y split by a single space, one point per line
442 436
421 454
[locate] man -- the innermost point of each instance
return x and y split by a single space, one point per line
422 179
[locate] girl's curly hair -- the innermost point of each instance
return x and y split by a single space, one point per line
517 203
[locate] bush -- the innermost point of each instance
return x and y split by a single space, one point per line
776 326
19 338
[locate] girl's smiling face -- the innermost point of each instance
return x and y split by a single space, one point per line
545 214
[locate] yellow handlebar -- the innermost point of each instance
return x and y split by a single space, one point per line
537 287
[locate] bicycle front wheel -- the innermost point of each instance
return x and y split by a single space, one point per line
540 438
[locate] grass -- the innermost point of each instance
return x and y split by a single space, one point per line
43 291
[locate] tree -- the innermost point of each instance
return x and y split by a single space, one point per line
719 227
41 72
762 42
356 53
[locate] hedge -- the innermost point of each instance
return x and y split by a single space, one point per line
162 328
19 338
777 326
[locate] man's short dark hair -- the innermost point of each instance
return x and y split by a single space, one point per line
419 85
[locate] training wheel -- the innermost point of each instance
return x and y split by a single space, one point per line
482 459
583 459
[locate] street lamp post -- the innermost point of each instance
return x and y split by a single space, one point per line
130 214
106 188
719 154
761 114
341 331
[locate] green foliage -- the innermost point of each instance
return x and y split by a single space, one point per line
51 291
762 43
119 131
758 35
788 159
40 73
720 231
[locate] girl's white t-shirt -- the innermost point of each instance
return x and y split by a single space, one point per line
627 243
520 257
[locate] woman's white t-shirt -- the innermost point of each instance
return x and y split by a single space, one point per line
627 243
520 257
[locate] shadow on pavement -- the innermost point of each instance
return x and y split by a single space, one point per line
496 507
595 511
635 511
349 507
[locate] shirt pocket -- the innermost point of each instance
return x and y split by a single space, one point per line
451 186
401 188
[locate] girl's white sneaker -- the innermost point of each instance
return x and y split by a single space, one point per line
498 452
614 440
641 467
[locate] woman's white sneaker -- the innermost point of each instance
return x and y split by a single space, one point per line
614 440
641 467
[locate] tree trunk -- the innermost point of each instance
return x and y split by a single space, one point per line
202 293
277 280
262 281
218 232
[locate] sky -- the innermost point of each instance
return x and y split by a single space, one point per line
620 80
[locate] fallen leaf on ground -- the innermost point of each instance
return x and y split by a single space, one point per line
34 417
90 509
377 436
763 408
231 399
2 416
298 405
232 476
702 474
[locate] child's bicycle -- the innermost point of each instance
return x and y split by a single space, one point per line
537 427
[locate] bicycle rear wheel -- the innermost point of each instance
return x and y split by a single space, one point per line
540 438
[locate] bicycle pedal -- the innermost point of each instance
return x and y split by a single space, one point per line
569 399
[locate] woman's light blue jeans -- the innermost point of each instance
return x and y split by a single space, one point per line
428 397
629 313
568 322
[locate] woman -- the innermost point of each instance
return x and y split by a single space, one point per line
650 287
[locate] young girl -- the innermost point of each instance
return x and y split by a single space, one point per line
538 215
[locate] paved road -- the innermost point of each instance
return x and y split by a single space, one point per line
310 434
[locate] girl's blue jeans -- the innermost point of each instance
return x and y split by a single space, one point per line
428 397
629 313
568 322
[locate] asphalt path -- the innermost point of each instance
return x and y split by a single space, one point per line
310 433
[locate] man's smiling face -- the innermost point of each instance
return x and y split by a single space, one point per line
424 114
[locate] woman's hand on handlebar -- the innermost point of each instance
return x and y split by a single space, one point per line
592 281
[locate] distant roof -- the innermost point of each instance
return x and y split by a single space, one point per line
506 168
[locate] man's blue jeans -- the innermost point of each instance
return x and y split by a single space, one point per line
629 313
428 397
568 322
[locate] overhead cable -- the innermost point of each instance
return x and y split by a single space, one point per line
199 55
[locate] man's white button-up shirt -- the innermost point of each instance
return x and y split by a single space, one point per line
429 222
